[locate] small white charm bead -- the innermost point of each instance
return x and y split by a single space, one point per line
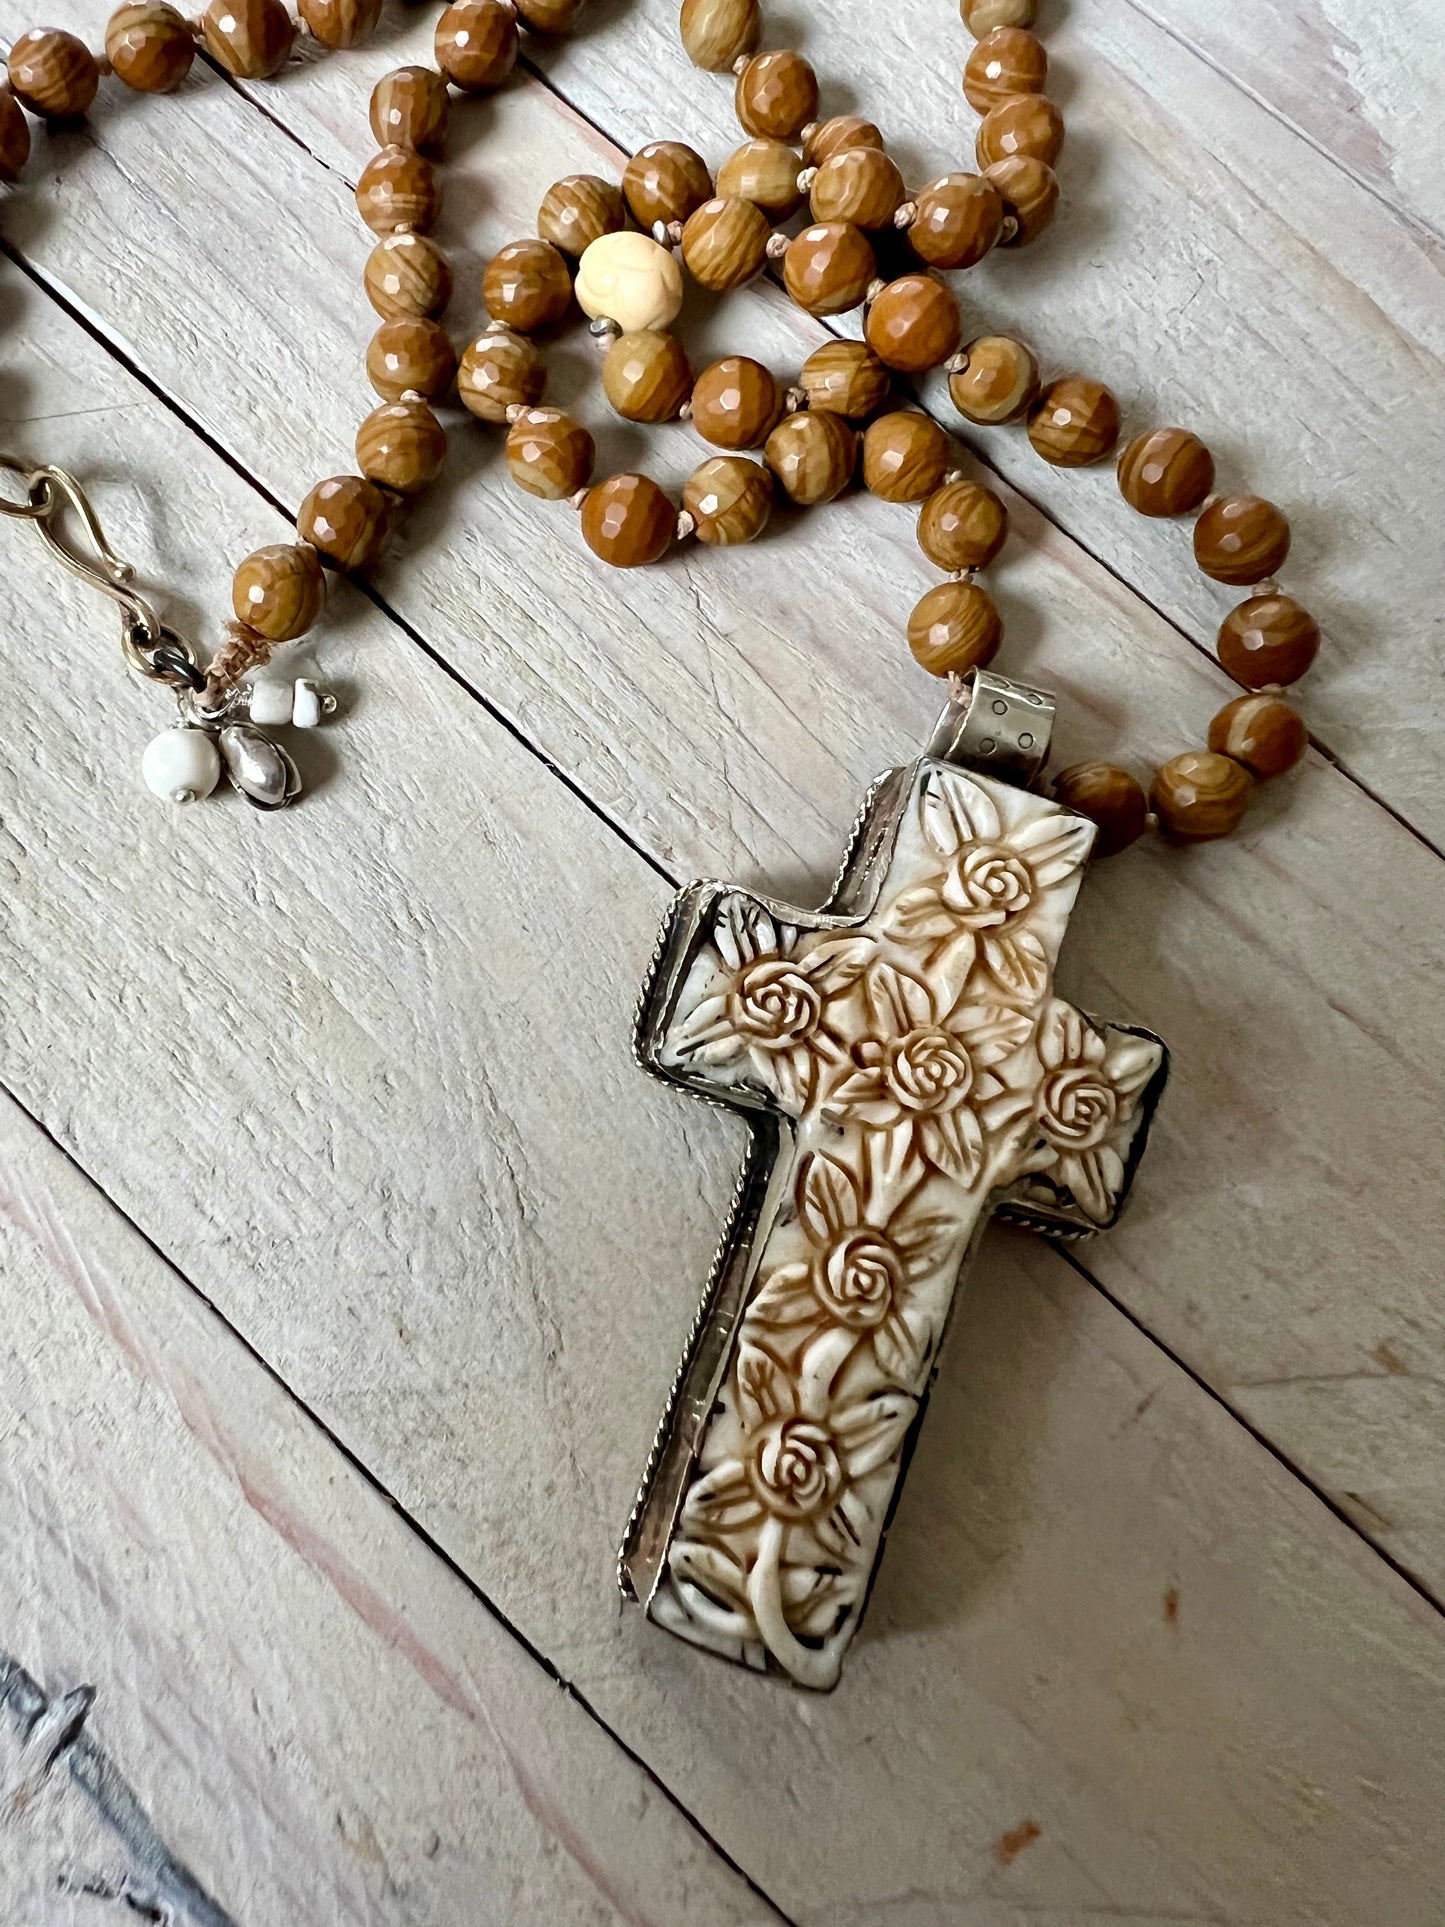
629 279
181 765
270 703
308 705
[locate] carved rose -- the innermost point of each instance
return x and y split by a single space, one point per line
795 1468
857 1277
773 1004
1088 1102
928 1070
1077 1108
988 886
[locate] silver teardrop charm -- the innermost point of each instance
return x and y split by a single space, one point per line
260 769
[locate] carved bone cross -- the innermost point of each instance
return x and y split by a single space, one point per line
908 1070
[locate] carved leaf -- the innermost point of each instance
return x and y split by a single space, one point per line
1017 962
828 1199
952 811
785 1299
710 1568
816 1600
953 1141
900 1349
722 1501
898 1002
870 1432
1054 847
760 1396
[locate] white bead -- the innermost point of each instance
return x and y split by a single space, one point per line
181 765
306 707
629 279
270 702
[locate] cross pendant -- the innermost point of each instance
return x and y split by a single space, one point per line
907 1070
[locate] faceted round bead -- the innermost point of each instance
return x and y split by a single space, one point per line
1010 60
1268 639
340 23
407 275
813 456
397 189
984 16
53 74
830 137
735 403
628 521
630 279
1110 798
251 39
846 377
665 181
997 383
1241 539
1074 421
645 376
718 32
829 268
278 591
410 107
962 525
527 285
913 325
776 95
549 454
724 243
1030 190
1166 472
954 628
905 456
408 354
859 184
578 210
14 137
549 16
1200 795
346 520
1262 732
729 499
1023 124
476 44
956 220
401 447
149 46
765 172
498 372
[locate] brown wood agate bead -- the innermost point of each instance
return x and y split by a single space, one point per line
665 181
410 354
251 39
500 371
1023 124
859 184
549 16
14 137
1010 60
578 210
401 447
829 267
628 521
53 74
846 377
346 520
983 16
407 275
724 243
397 189
645 376
825 138
527 285
997 383
729 499
718 32
1074 421
735 403
340 23
1166 472
1241 539
962 526
1262 732
1200 795
813 456
764 172
913 325
954 628
549 454
476 44
1110 798
410 107
1030 190
905 456
1268 639
149 46
278 590
956 220
776 95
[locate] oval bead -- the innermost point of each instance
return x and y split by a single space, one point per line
983 16
956 220
14 137
549 16
251 39
578 210
1009 60
410 107
1075 421
1263 733
735 403
999 380
1030 191
1023 124
1200 795
53 74
846 377
776 95
340 23
500 371
665 181
346 520
724 243
406 274
764 172
812 456
1166 472
628 521
476 44
962 525
1241 539
397 189
829 267
410 354
278 591
913 325
829 137
645 377
149 46
905 456
630 279
401 447
954 628
549 454
859 184
527 286
716 33
1268 639
1110 798
729 499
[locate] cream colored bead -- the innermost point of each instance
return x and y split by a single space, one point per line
181 765
629 279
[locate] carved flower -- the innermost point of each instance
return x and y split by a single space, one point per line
773 1004
856 1278
1077 1108
795 1467
1087 1106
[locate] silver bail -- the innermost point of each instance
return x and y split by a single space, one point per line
995 725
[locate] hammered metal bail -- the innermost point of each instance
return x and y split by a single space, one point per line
995 725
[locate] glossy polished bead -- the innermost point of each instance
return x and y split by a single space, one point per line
1262 732
407 275
630 279
527 285
1268 639
724 243
829 267
578 210
776 95
1166 472
913 325
476 44
410 107
962 525
401 447
665 181
764 172
1241 539
53 74
1010 60
1023 124
813 456
251 39
984 16
408 354
1110 798
645 376
346 521
829 137
397 189
1200 795
846 377
905 456
997 383
549 16
729 499
498 372
954 628
956 220
549 454
14 137
1030 190
735 403
861 185
1074 421
149 46
340 23
718 32
628 521
182 765
278 591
